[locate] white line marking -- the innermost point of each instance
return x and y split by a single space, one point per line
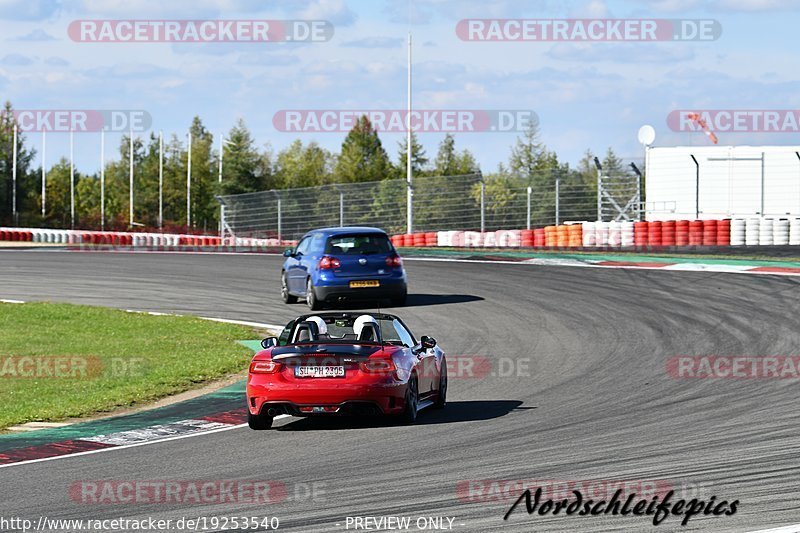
785 529
113 448
12 301
674 267
243 323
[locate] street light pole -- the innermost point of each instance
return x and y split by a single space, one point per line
160 179
130 176
189 183
44 172
71 181
409 187
103 178
14 179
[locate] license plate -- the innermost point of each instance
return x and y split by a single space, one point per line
365 283
319 371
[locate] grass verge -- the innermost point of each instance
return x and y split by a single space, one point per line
60 361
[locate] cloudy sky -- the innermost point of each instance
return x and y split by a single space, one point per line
587 95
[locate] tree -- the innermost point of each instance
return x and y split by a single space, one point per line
451 163
25 204
303 166
418 160
243 168
362 156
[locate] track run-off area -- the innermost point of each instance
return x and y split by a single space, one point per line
561 378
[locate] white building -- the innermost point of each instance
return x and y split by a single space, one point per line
734 181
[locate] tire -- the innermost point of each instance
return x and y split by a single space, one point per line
441 398
311 297
287 297
409 415
259 422
399 301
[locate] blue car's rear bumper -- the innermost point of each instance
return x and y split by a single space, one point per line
393 286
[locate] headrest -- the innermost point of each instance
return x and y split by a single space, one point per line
306 331
366 328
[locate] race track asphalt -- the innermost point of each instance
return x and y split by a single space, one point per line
589 399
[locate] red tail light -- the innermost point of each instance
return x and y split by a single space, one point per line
329 263
394 261
265 367
378 366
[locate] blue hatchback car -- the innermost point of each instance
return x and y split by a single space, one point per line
348 262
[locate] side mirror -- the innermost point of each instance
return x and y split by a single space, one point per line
288 252
269 342
425 343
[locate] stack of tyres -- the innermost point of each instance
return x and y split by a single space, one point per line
526 238
724 232
626 234
614 234
589 238
794 232
654 233
575 235
765 236
695 232
738 232
681 232
550 236
751 231
418 239
709 233
780 232
562 236
539 238
640 232
668 230
431 239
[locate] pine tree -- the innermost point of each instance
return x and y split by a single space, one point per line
362 156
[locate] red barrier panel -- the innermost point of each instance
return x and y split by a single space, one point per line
640 233
668 232
709 233
681 232
2 235
695 232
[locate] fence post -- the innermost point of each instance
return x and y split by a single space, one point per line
529 208
558 187
483 202
278 196
341 205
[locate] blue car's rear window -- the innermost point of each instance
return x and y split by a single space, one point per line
356 244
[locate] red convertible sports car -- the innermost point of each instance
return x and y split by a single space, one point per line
345 363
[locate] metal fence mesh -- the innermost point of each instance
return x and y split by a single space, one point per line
441 203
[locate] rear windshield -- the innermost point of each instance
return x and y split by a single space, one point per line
356 244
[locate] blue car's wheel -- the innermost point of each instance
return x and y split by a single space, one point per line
311 297
287 298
